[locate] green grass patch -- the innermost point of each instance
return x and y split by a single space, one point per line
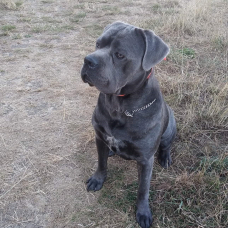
7 28
172 4
47 1
152 24
214 164
17 36
78 17
51 28
188 52
116 193
24 19
119 196
39 29
220 43
181 56
94 30
111 10
169 8
3 34
51 20
18 4
192 200
79 6
188 200
27 36
156 8
67 27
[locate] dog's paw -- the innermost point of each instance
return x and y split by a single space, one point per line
164 159
94 184
144 219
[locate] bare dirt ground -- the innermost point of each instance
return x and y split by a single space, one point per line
44 114
47 148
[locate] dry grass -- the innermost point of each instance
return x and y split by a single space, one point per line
47 146
9 4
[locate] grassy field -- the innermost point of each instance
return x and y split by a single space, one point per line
47 147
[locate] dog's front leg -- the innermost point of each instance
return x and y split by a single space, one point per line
95 182
143 213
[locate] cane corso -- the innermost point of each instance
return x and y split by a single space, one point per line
131 118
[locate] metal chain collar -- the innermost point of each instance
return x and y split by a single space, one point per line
130 114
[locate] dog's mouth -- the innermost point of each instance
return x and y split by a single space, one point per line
85 79
102 84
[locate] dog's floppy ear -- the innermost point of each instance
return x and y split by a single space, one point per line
156 50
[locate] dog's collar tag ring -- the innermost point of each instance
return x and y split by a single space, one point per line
128 114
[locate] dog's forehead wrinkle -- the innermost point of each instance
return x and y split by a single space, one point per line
132 43
111 33
115 32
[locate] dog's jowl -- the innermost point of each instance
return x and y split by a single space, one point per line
131 118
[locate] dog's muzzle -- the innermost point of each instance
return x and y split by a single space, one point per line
90 64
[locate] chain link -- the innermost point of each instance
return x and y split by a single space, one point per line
130 114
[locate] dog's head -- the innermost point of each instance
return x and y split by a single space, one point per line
123 56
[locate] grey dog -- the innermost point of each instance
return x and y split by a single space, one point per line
131 118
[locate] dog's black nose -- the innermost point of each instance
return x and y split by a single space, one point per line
91 62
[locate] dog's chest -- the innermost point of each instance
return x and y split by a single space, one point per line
115 145
119 147
115 134
113 142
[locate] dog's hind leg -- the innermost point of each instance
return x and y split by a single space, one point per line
167 139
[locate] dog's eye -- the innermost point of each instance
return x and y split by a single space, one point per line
119 56
98 45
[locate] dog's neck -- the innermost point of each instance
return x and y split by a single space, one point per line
136 85
132 99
